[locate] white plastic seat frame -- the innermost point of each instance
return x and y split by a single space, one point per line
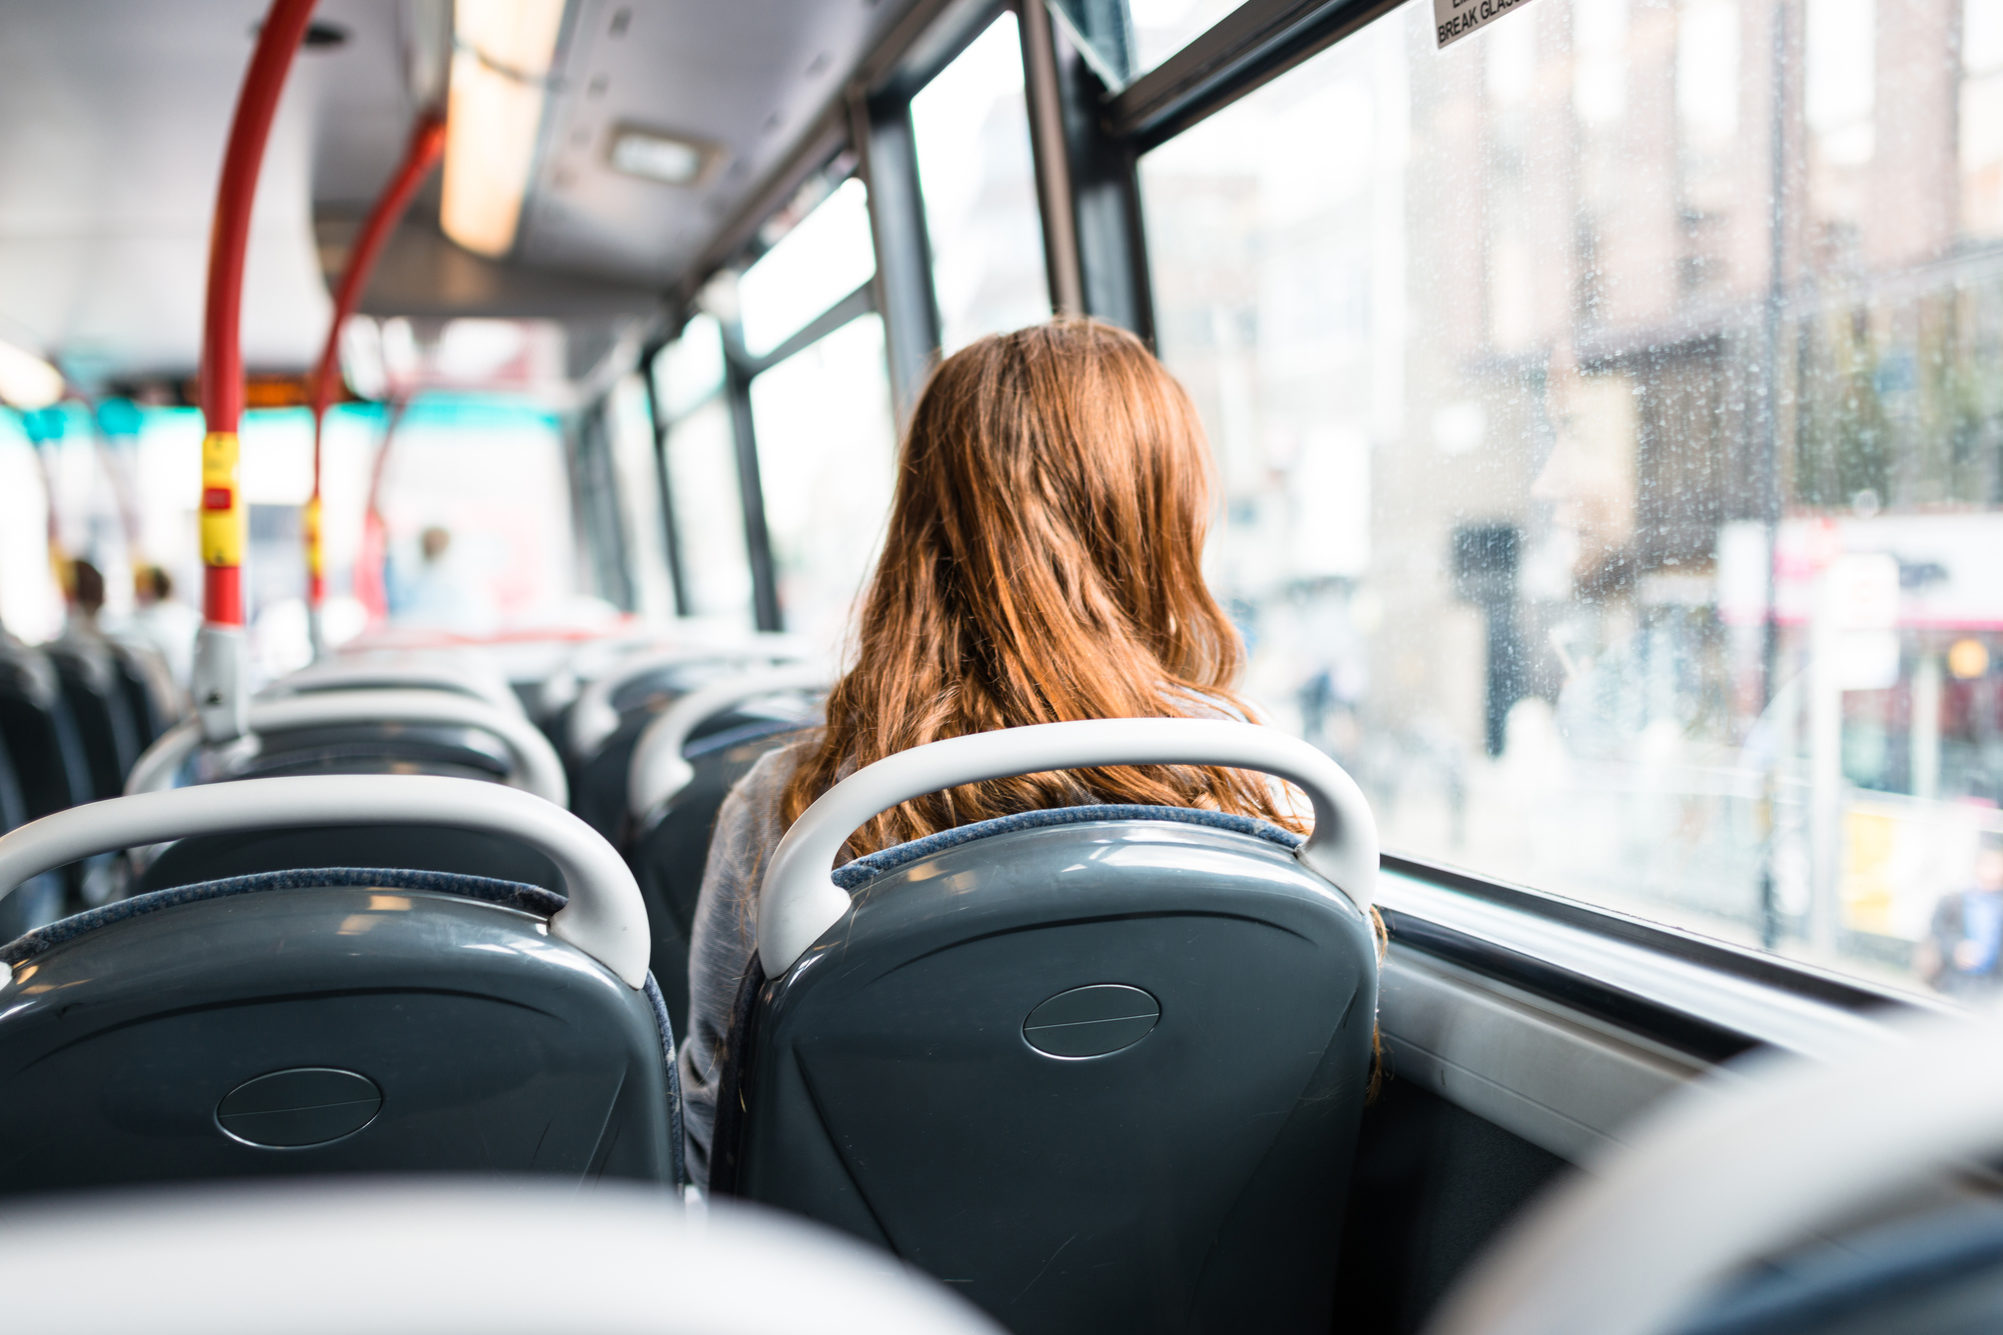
1727 1173
538 768
379 670
659 771
282 1260
593 719
605 916
798 900
592 658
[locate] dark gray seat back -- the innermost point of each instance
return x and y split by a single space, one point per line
41 735
669 855
327 1021
1099 1069
40 900
103 713
439 848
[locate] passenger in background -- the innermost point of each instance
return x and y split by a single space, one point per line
162 623
1043 563
439 594
86 601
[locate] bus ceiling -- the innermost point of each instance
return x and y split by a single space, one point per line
653 130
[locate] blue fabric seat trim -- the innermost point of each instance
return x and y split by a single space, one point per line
508 894
854 875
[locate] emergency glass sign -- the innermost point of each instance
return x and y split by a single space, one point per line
1455 19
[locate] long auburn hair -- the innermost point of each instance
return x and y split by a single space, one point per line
1043 562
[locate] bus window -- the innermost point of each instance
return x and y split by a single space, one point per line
825 443
825 257
630 431
689 371
1618 559
702 475
709 514
31 602
972 130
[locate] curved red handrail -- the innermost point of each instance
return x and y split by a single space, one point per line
223 514
426 147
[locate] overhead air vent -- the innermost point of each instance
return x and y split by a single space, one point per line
656 155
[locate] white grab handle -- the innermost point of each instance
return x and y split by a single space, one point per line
593 719
799 900
659 770
1724 1175
539 768
605 918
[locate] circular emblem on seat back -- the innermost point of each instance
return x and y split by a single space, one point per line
308 1105
1091 1021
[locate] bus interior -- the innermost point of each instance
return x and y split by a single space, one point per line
443 444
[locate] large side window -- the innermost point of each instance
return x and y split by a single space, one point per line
629 430
971 125
825 443
1611 429
824 258
701 462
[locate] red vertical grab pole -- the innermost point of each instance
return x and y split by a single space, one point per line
427 146
219 685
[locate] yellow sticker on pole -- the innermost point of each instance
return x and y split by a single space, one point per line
224 521
315 548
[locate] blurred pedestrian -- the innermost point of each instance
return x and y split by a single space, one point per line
1963 953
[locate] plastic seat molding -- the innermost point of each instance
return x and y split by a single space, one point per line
1732 1170
593 719
605 916
798 900
539 768
634 1260
659 771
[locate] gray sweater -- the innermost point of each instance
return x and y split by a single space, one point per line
725 936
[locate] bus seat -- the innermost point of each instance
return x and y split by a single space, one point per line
601 792
366 731
40 732
685 763
96 696
1099 1068
462 673
370 747
52 771
668 855
40 900
153 699
646 679
335 1020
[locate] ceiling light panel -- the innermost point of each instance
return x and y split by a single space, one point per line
655 155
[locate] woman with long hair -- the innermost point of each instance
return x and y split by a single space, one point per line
1043 563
